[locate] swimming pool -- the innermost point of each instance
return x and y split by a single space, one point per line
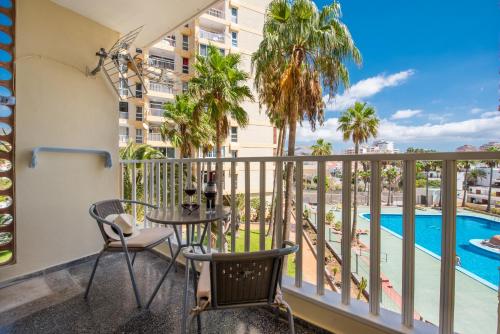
428 236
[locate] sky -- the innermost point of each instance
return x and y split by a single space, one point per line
430 69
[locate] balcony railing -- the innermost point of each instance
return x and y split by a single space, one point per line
123 114
154 136
156 112
213 36
123 138
161 88
170 41
216 12
168 64
163 186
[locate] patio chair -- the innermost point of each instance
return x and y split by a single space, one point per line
146 240
231 280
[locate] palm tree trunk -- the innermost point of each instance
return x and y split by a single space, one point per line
355 205
389 194
465 186
273 206
289 175
488 206
426 188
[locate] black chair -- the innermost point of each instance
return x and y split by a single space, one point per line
145 241
230 280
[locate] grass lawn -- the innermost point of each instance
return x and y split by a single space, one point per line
254 246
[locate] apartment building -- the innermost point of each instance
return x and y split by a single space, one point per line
233 27
378 146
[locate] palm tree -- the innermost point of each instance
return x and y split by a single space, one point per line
465 165
365 175
358 123
219 88
491 164
321 148
303 50
179 127
475 175
391 174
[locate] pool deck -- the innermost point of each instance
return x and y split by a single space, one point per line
475 303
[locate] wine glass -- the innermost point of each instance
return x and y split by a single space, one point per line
190 190
210 194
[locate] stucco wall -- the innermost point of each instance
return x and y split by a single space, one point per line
59 106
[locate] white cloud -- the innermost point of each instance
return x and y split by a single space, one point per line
482 129
476 110
366 88
405 113
489 114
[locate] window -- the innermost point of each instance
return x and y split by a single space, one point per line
234 15
170 152
123 108
234 134
138 90
162 62
139 114
138 136
185 87
203 50
234 38
234 154
185 42
123 134
123 87
185 65
213 153
156 108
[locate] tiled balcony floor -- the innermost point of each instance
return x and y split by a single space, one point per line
53 303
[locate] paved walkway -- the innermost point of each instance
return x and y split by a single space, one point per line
475 303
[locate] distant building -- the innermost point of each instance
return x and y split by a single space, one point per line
378 146
466 148
485 147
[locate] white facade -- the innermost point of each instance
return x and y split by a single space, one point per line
233 27
378 146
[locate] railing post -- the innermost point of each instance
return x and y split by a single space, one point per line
152 183
346 232
234 212
165 177
408 289
172 185
122 180
278 224
320 227
220 225
199 186
158 182
247 206
299 207
375 203
262 209
180 177
134 192
448 251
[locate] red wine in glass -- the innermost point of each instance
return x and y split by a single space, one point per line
190 191
210 195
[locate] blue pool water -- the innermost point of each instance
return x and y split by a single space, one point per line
428 235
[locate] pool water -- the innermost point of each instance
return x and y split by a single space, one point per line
428 235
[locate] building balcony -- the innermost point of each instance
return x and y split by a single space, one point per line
162 90
167 64
219 13
212 36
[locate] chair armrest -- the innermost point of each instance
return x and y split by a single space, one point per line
289 247
190 254
138 202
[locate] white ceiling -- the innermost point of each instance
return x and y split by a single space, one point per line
157 16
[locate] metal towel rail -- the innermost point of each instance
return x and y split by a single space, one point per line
34 157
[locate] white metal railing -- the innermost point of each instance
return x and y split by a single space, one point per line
123 138
216 12
162 88
213 36
154 136
124 114
163 186
170 41
165 63
156 112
